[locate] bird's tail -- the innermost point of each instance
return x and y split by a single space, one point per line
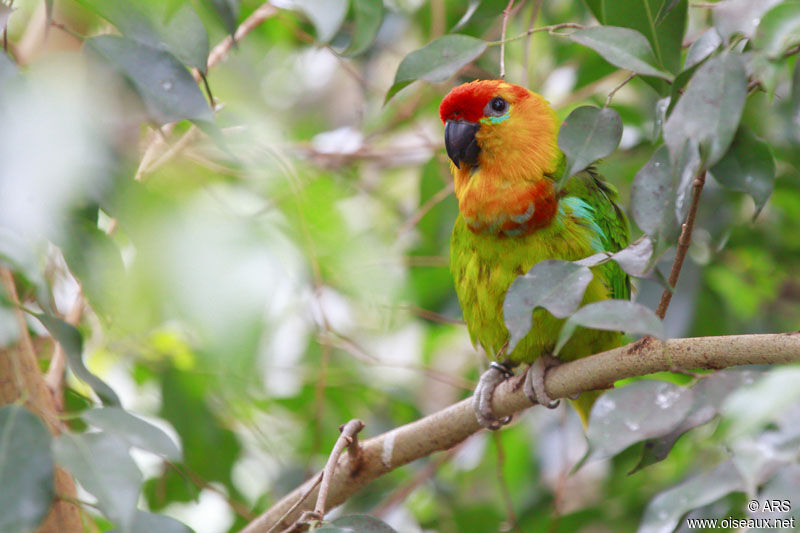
584 404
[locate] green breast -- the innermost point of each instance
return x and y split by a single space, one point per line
484 265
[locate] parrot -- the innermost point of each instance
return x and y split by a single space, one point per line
501 140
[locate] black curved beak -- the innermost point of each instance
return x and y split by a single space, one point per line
460 142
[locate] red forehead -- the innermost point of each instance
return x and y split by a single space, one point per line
468 100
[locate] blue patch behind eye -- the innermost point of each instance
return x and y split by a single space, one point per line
496 120
583 210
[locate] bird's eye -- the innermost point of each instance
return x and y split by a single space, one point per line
497 106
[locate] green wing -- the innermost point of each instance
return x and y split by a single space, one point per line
590 187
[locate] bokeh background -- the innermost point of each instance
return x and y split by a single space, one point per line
248 287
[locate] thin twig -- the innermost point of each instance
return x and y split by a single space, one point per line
549 29
506 13
217 55
526 51
22 325
791 51
220 52
5 30
432 315
347 439
423 210
348 68
423 475
238 507
589 90
67 30
501 480
683 245
319 397
345 343
299 501
58 363
169 154
438 18
618 87
207 88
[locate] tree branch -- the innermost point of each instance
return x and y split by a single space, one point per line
217 55
448 427
220 52
348 439
549 29
21 379
506 13
683 245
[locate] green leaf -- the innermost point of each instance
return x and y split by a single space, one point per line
183 34
785 481
186 37
710 109
26 470
326 16
664 512
145 522
100 462
686 169
662 22
779 29
635 259
702 47
623 48
588 134
133 430
168 90
708 395
732 17
638 411
357 523
437 61
612 315
72 343
228 12
764 70
751 408
368 19
472 7
747 166
556 285
185 404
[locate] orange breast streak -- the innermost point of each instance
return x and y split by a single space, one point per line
509 210
507 192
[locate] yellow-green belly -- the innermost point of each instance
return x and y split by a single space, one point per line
484 265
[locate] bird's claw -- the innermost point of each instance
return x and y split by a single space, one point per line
482 399
534 381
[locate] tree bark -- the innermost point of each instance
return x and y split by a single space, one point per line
20 377
448 427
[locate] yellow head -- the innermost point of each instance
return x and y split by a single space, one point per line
501 139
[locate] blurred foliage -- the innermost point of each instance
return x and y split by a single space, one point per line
257 272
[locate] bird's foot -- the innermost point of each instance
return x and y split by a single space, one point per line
534 381
482 399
